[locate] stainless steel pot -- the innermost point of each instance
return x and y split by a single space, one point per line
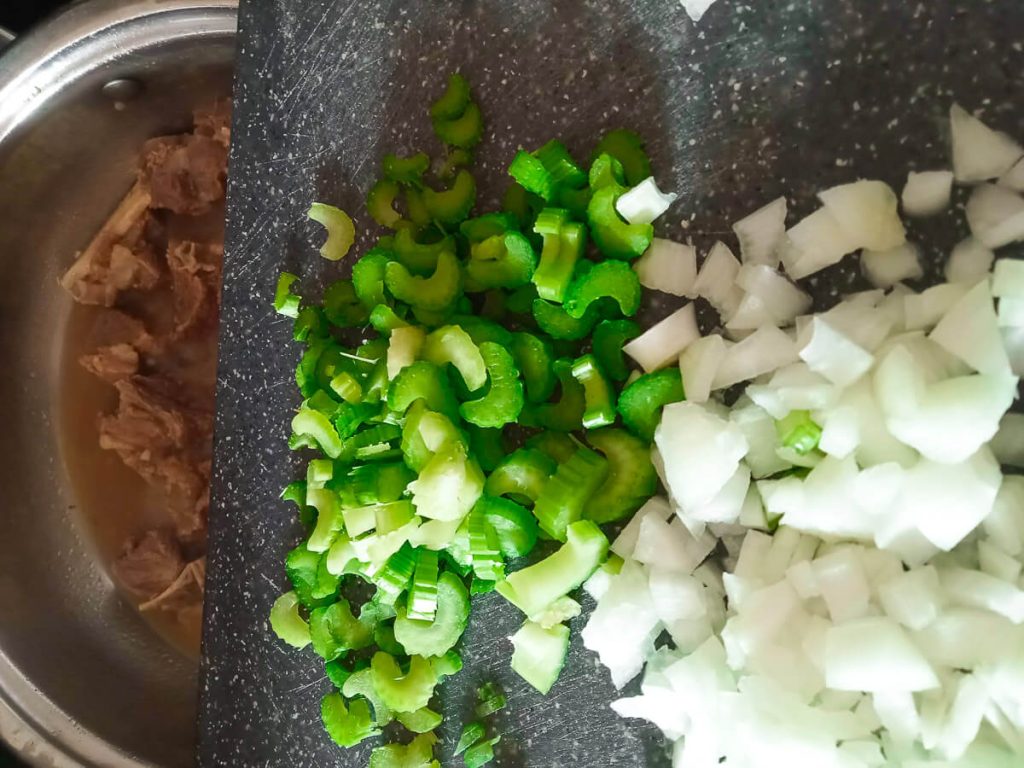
83 680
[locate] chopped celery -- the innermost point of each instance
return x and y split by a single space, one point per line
421 721
423 593
480 228
464 131
419 753
316 425
609 279
302 567
368 277
438 292
341 305
487 445
534 357
286 621
597 393
451 344
562 610
341 232
539 654
535 587
394 578
406 170
451 206
347 726
449 484
471 734
640 402
285 302
403 692
615 238
515 529
361 683
565 415
437 637
503 401
798 431
454 100
491 700
521 475
556 445
558 324
380 202
484 554
606 171
334 630
480 754
563 497
403 348
631 477
422 380
628 149
328 520
420 258
610 336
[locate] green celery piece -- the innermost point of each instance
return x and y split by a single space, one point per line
310 322
454 159
565 173
379 483
484 554
598 393
302 566
451 344
522 474
448 485
368 277
612 235
403 692
384 637
328 520
535 588
562 610
422 380
341 305
326 582
575 201
361 683
564 243
435 638
480 329
347 726
520 301
424 433
547 171
535 360
631 476
341 232
563 497
798 431
539 654
447 665
609 279
558 324
416 208
487 446
501 261
384 320
480 754
380 203
480 228
286 622
406 170
606 171
471 734
420 258
285 302
521 204
628 148
438 293
422 602
454 100
347 387
504 399
452 206
316 425
565 415
337 673
640 402
421 721
419 753
530 173
334 630
491 699
609 337
394 578
371 443
464 131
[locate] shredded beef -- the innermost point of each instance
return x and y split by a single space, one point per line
150 564
185 592
113 363
195 272
184 174
214 122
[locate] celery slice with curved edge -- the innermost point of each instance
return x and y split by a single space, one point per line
421 721
451 344
437 637
329 520
286 621
449 484
539 654
597 392
418 753
504 399
347 725
285 302
341 232
403 692
562 500
537 586
631 476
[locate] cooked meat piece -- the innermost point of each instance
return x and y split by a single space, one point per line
150 564
113 363
147 420
116 327
184 593
118 258
195 274
184 174
214 122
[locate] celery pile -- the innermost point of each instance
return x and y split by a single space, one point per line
478 327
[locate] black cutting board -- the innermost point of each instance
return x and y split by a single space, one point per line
758 100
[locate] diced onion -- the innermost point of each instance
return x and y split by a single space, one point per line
995 215
1008 279
969 261
699 366
668 267
927 193
970 331
716 280
884 269
833 355
664 341
644 203
866 211
979 153
816 242
1014 178
765 350
761 233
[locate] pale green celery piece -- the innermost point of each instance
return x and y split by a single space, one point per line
451 344
341 232
536 587
404 347
286 621
329 520
539 654
449 484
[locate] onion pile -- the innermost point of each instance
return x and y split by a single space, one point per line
867 607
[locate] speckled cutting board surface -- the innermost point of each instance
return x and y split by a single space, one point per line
758 100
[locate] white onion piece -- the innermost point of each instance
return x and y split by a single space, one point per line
758 429
884 269
1013 343
763 351
875 654
1013 178
996 563
696 9
914 598
975 589
656 507
832 354
670 547
668 267
815 242
699 365
995 215
780 299
864 325
716 280
644 203
921 311
727 504
701 452
927 193
1011 313
1008 278
664 341
867 211
970 331
840 434
969 261
761 233
979 153
793 388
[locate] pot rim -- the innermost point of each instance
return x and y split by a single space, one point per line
34 69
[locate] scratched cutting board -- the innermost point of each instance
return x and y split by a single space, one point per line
758 100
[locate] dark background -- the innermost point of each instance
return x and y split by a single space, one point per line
19 15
